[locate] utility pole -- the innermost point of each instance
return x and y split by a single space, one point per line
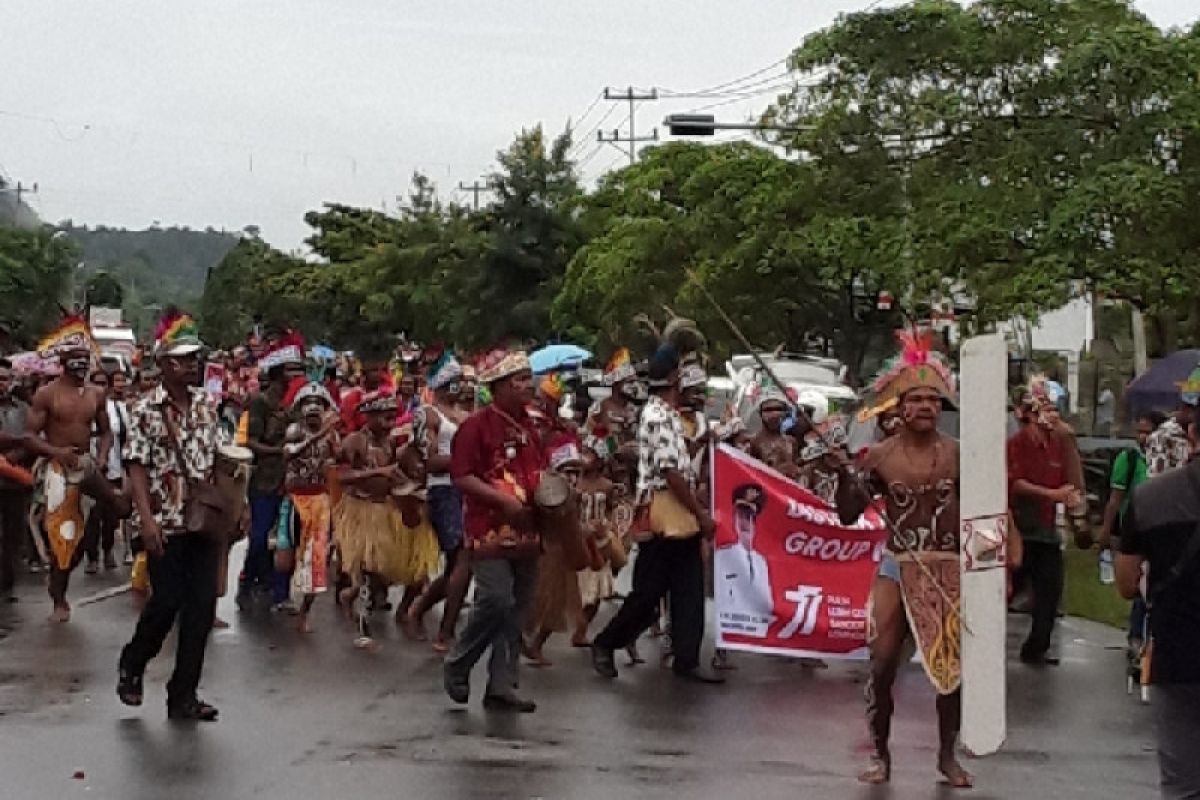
633 98
475 188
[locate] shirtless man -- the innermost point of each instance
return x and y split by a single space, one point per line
916 472
771 446
65 412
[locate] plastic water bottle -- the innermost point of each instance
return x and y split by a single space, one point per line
1106 567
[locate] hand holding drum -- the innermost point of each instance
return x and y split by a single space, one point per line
558 518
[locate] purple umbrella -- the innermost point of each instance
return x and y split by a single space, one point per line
1158 388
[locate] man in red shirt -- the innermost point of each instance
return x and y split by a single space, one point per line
1038 467
496 462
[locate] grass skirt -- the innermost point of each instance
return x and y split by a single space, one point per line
372 537
556 605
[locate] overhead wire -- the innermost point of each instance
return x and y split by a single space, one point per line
580 143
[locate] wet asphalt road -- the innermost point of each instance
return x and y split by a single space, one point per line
310 717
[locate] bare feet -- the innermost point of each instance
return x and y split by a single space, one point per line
346 599
61 612
533 653
954 774
304 625
580 640
411 626
878 772
442 643
220 624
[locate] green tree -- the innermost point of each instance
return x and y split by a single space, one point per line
36 269
104 290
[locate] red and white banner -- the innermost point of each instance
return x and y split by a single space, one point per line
790 579
214 380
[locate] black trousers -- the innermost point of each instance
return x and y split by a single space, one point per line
183 582
102 524
1043 565
664 567
14 532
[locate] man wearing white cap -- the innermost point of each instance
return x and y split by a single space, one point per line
174 434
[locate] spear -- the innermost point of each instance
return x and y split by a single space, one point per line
856 477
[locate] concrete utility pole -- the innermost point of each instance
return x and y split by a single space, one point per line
633 98
475 188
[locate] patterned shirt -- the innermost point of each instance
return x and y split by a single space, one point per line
1167 449
662 447
200 434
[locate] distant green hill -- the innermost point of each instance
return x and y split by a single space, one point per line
155 267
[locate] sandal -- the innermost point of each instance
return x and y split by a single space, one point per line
129 687
194 709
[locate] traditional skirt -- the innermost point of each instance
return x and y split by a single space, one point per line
556 604
59 512
372 537
934 621
304 525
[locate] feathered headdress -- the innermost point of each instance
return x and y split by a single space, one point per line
917 366
444 371
287 349
553 387
619 368
73 333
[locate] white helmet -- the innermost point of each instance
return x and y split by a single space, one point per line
815 404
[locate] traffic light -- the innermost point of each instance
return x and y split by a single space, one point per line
691 124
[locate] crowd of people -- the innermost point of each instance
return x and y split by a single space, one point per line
435 474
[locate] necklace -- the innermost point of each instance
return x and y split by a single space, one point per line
517 430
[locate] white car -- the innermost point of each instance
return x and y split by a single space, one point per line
799 373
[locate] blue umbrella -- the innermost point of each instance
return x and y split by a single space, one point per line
323 353
557 356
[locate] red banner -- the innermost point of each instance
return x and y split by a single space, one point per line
790 579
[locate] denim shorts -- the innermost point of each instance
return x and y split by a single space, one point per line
889 568
446 515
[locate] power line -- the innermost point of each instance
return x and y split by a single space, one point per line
595 152
735 81
582 142
742 90
577 123
768 90
632 97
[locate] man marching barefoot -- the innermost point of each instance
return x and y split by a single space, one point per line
916 473
66 412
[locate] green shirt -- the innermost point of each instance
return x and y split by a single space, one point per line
267 425
1127 477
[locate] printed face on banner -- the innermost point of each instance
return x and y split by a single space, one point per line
790 578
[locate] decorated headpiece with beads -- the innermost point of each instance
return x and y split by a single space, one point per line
176 334
288 349
301 389
917 366
72 334
500 364
377 401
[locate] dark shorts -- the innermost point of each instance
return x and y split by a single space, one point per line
446 516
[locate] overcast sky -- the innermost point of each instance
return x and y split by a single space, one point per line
237 112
